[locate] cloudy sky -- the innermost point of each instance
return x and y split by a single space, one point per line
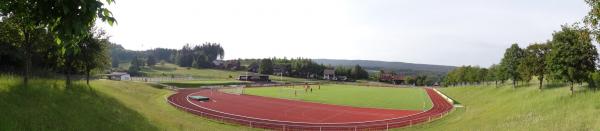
446 32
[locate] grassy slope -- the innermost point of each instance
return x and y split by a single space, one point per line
151 103
352 95
48 105
524 108
211 74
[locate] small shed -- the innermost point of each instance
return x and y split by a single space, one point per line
118 76
254 77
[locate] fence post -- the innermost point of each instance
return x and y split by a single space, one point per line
250 124
387 126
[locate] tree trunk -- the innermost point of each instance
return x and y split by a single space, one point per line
68 69
496 81
28 60
572 91
541 79
87 77
514 83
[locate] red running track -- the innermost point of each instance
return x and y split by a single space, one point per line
281 114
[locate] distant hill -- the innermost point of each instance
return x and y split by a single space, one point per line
395 66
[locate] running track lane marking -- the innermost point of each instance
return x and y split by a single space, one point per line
280 121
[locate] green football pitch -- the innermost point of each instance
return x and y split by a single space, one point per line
351 95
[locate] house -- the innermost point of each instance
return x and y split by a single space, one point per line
388 76
253 67
280 70
118 76
217 63
254 77
329 74
232 65
341 78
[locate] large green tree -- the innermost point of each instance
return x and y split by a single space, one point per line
511 61
68 20
573 57
535 60
592 19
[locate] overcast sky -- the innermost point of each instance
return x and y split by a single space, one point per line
445 32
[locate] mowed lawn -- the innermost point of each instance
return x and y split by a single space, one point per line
199 83
524 108
352 95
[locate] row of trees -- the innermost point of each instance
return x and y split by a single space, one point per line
301 67
569 57
199 56
355 72
295 67
466 75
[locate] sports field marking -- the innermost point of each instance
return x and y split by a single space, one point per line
352 95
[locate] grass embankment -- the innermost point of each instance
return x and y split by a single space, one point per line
208 77
352 95
151 103
47 105
107 105
523 108
167 70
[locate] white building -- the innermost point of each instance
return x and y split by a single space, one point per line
119 76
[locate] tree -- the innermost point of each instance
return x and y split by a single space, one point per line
482 75
592 19
115 62
185 56
511 62
573 57
534 62
359 73
93 52
213 51
265 66
134 68
493 74
410 80
67 20
200 56
151 61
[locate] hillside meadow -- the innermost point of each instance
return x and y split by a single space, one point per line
521 108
